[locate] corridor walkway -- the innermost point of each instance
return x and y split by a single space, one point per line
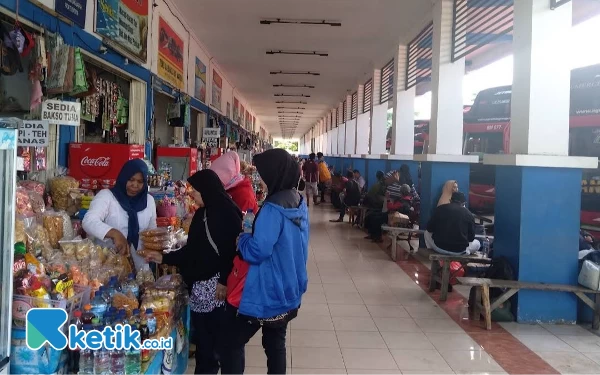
364 313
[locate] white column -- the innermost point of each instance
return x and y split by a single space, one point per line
541 83
361 101
446 127
403 123
378 118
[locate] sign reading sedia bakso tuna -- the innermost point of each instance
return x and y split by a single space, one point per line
124 22
170 54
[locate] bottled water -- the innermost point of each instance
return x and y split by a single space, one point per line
86 358
133 359
131 286
485 246
117 362
99 306
102 361
151 319
248 221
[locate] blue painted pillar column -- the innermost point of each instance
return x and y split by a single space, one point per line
537 230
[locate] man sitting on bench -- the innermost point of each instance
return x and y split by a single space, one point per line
451 229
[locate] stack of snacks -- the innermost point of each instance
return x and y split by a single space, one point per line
159 239
60 188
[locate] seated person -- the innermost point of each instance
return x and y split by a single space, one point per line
451 229
376 195
349 197
337 186
586 241
360 180
402 205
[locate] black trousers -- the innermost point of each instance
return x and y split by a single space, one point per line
374 221
239 332
208 337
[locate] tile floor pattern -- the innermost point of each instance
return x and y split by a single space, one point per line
364 314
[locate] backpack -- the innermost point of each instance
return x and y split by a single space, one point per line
501 270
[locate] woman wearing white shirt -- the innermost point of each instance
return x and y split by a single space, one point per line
120 213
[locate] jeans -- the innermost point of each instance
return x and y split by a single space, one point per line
208 336
240 331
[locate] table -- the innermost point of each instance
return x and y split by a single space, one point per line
444 279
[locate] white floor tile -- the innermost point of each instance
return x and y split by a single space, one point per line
369 359
360 340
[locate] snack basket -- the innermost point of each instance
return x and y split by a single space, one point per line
22 304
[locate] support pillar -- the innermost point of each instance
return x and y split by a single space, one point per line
378 118
538 187
403 123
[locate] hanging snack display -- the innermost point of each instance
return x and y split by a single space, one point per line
115 108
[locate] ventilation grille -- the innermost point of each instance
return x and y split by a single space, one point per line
387 82
478 23
368 99
337 117
345 111
419 56
354 111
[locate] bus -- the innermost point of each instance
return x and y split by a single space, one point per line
487 130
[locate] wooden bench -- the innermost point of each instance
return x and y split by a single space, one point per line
395 232
446 275
483 294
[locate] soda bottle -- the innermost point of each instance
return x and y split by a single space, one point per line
151 321
88 315
99 306
248 221
144 335
133 360
102 360
86 358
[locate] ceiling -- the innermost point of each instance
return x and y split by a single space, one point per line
370 30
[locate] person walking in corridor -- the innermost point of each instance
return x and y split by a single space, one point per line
310 170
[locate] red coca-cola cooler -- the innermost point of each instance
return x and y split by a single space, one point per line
97 165
183 161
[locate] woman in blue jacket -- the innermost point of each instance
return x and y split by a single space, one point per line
277 252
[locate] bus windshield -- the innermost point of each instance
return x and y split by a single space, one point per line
484 143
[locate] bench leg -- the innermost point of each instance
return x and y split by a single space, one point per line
435 267
394 250
476 311
485 299
445 281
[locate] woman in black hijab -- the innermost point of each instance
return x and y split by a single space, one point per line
206 261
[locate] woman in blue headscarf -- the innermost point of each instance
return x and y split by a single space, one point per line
119 214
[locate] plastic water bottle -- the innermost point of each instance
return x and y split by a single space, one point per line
248 221
86 358
485 246
102 361
99 306
151 321
133 359
117 362
131 286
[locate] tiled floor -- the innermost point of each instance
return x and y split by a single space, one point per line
363 313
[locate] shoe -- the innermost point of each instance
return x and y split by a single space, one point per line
336 221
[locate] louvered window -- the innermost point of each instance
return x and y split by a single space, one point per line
337 117
387 82
478 23
420 52
344 111
354 111
368 98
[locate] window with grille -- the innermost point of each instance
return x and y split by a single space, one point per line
368 97
337 118
420 52
344 111
354 111
387 82
478 23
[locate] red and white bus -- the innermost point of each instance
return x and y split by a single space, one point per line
487 130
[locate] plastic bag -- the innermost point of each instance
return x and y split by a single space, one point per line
23 202
30 185
60 188
456 270
589 276
54 224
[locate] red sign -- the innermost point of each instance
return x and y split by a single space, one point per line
99 164
217 80
170 45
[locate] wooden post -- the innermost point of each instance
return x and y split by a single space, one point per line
596 321
485 297
435 267
476 308
445 280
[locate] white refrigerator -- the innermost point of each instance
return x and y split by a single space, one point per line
8 180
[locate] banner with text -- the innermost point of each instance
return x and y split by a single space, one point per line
211 136
61 113
200 87
170 54
33 133
124 22
217 88
73 10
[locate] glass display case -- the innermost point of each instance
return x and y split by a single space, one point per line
8 178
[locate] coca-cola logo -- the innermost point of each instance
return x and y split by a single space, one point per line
95 166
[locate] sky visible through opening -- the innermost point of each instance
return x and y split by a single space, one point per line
584 52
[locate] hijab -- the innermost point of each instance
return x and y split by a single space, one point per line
447 192
132 205
227 167
405 177
278 170
209 185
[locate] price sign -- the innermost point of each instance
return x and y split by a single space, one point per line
211 136
33 133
